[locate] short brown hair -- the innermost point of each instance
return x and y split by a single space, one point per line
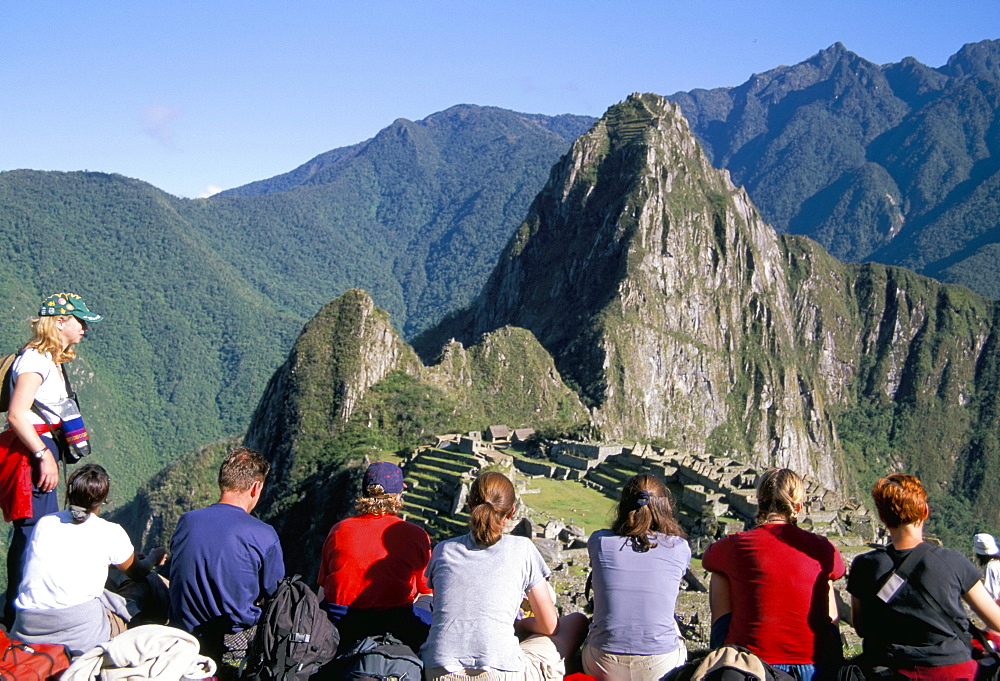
241 468
491 500
900 500
88 487
644 509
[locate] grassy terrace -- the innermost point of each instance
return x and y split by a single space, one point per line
570 501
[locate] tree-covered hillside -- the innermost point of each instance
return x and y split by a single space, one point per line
187 341
203 298
898 163
430 203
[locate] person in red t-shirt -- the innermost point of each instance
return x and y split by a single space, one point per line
372 567
774 584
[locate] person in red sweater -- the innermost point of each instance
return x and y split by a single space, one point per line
772 585
372 567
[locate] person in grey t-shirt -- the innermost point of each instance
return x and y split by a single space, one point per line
479 581
637 568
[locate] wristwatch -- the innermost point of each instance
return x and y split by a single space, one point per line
37 456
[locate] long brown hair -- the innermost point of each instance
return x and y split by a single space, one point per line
645 509
491 502
778 490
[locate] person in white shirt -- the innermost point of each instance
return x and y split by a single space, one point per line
66 567
988 558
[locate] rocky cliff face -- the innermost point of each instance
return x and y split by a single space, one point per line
344 350
350 383
662 294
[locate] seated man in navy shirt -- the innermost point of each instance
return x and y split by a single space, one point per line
224 561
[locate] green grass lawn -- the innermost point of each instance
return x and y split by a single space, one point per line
570 501
391 457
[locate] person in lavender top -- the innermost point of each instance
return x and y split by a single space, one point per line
637 567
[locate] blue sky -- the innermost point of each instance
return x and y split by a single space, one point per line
193 95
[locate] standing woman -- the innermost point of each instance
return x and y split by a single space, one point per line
637 568
37 379
774 585
479 581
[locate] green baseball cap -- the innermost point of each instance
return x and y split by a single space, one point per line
67 303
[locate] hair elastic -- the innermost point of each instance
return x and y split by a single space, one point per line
643 498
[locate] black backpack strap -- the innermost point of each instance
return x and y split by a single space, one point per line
896 578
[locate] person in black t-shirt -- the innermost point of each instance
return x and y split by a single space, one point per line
900 628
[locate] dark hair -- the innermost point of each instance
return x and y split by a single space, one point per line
900 500
87 488
491 501
982 560
645 509
241 468
778 490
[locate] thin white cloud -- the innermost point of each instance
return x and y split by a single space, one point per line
210 190
157 121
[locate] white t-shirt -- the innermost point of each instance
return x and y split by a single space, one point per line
477 593
67 563
52 391
992 580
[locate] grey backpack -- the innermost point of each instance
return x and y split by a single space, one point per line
382 658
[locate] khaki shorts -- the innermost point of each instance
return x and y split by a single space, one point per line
602 665
542 663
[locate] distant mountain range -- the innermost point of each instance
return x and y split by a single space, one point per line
897 164
203 298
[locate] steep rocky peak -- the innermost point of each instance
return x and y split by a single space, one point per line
618 270
344 350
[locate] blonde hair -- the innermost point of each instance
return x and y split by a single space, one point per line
45 337
491 501
778 490
390 504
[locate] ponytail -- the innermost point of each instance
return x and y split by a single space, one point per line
491 502
645 510
778 490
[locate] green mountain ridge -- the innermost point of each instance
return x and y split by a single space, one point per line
894 164
204 298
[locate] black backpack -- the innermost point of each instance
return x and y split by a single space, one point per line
381 658
294 637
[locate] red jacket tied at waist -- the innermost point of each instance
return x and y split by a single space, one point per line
15 475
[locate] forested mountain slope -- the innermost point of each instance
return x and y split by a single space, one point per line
186 341
203 298
433 201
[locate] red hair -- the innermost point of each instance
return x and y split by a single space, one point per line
900 500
